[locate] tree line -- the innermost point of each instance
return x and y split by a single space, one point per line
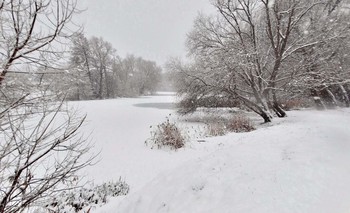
97 72
256 54
93 71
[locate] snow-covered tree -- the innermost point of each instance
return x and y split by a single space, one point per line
247 50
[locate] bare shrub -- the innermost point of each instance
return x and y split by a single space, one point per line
220 122
166 134
41 150
216 129
240 123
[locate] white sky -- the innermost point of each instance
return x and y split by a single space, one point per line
152 29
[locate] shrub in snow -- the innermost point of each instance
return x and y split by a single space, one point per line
83 199
240 123
166 134
216 129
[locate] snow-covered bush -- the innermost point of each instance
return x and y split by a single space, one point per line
84 199
166 134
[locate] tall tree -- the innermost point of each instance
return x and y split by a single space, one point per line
102 57
81 61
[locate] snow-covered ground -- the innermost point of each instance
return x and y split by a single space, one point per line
299 164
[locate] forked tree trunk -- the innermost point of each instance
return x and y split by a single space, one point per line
256 108
263 111
278 110
277 107
252 106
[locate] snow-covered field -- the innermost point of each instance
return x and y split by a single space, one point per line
299 164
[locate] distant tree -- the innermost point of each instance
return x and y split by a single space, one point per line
166 83
102 57
127 71
81 64
93 60
149 75
140 76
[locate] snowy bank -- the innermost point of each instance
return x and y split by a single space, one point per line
300 165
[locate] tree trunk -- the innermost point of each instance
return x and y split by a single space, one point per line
331 95
92 83
5 70
278 110
345 95
100 91
277 107
263 101
265 116
256 108
107 83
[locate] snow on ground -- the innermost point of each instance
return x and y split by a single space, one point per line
120 128
301 164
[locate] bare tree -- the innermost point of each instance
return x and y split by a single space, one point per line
147 76
102 57
32 31
140 76
40 147
95 57
40 151
247 51
324 66
81 61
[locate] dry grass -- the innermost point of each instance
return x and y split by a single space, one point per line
220 125
216 129
240 123
166 134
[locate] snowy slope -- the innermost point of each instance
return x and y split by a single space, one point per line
300 164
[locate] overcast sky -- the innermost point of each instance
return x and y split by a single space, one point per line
152 29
